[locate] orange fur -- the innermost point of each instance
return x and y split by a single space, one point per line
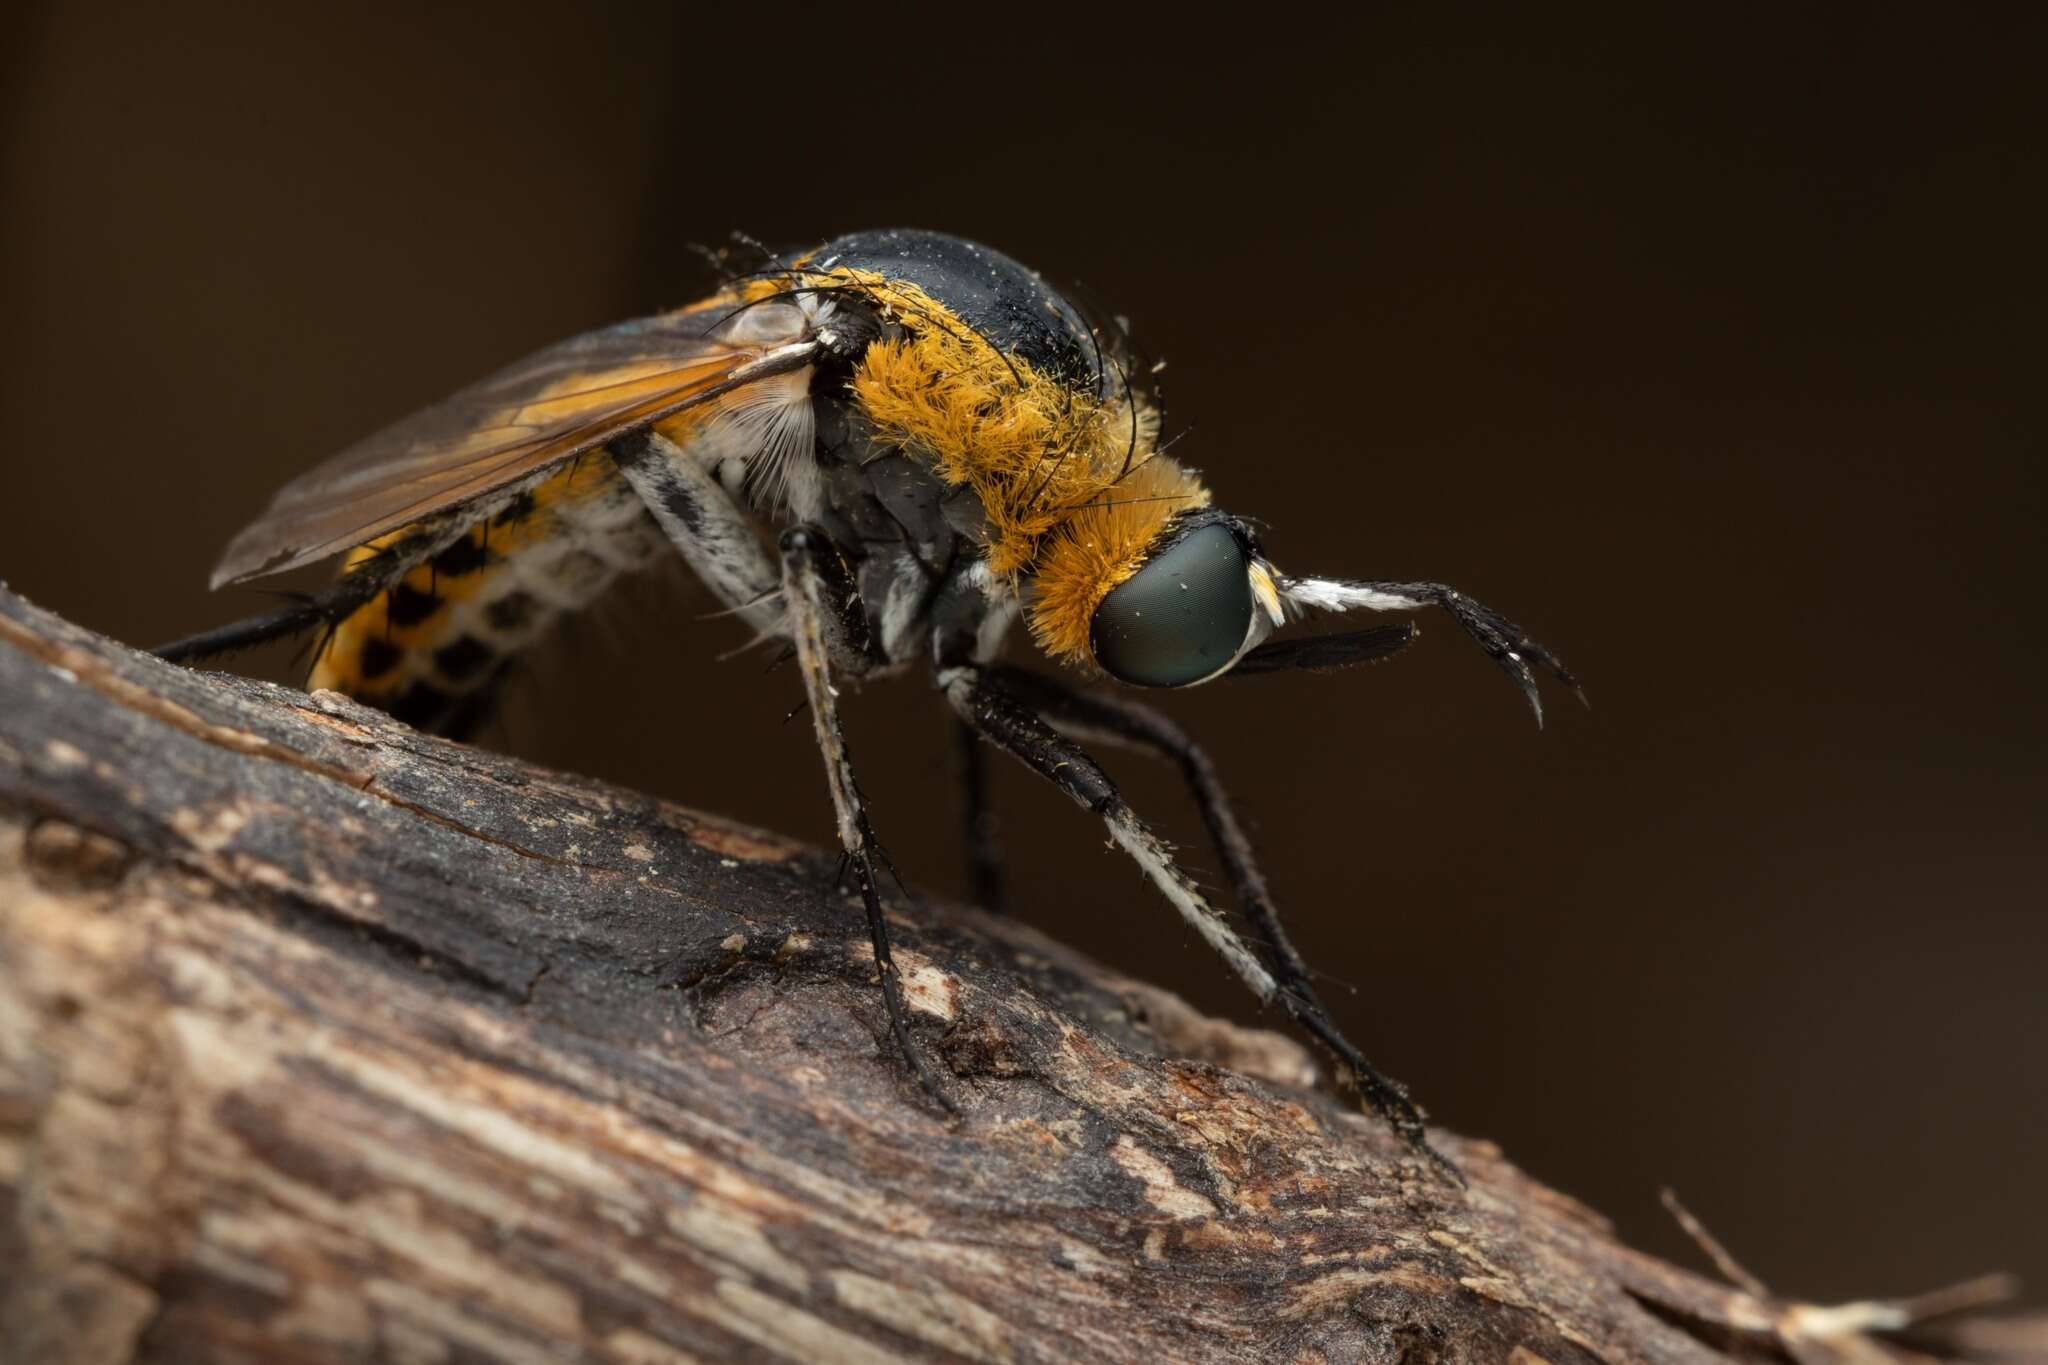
1098 546
1069 483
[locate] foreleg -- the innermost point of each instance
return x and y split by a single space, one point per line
998 714
1506 643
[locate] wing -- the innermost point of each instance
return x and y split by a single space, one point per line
553 405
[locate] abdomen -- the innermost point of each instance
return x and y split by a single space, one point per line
432 648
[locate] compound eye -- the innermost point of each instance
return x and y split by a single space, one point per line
1181 617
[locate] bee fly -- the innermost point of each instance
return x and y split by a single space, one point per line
935 443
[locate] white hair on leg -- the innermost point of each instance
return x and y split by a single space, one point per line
1334 594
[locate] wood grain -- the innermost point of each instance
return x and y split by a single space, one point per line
324 1041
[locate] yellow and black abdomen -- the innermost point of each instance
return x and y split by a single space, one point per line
431 648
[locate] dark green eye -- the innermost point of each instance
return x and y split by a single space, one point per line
1181 617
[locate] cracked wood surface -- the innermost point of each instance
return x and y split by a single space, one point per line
321 1040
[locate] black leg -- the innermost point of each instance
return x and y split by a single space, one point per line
1129 723
325 608
808 562
1506 643
330 606
984 851
1122 722
999 714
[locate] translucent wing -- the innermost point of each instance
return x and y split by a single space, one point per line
553 405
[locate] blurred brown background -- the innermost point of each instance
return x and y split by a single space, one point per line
1706 352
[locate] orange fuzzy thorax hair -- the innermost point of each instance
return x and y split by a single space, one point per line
1071 485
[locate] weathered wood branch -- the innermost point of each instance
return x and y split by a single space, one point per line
321 1040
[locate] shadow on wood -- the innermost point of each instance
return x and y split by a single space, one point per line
321 1040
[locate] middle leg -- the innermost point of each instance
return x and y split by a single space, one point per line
984 853
806 571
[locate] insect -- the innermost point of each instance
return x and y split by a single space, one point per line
884 453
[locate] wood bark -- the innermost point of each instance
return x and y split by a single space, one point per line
321 1040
